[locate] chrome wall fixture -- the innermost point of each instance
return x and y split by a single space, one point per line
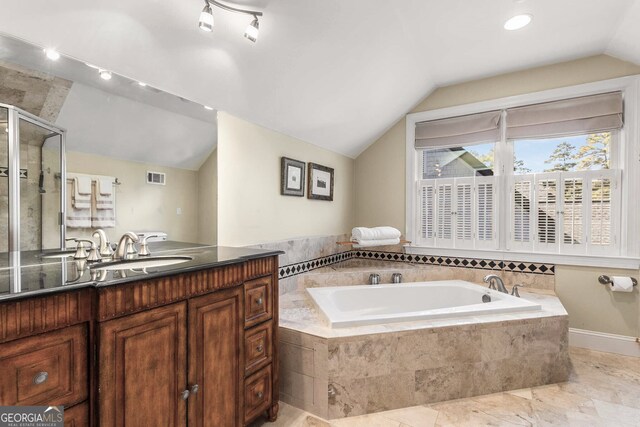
206 21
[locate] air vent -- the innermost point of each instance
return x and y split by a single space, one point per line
157 178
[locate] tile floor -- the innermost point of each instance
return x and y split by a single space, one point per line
603 390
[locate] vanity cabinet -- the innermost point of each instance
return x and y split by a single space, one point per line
195 348
142 368
198 345
44 352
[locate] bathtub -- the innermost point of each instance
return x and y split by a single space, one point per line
346 306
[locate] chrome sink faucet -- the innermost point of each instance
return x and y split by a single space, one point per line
104 245
496 283
126 247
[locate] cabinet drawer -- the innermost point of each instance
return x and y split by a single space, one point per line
46 369
258 301
257 393
77 416
258 347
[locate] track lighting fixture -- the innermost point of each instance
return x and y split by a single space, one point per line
252 30
206 18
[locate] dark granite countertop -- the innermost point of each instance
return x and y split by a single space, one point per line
31 275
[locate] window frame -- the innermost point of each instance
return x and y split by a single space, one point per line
625 157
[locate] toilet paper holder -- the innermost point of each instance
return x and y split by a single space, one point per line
606 280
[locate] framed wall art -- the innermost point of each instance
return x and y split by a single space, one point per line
292 177
320 182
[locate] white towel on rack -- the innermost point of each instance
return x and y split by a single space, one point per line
76 217
103 213
105 185
105 196
380 242
361 234
81 192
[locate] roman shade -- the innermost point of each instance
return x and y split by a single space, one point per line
459 131
584 115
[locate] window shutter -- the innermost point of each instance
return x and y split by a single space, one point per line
444 208
522 213
427 212
485 212
573 214
546 206
604 208
464 213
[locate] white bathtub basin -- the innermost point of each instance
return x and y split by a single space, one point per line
345 306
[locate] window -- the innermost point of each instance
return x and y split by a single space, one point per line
539 178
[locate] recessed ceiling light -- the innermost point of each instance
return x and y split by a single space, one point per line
206 107
52 54
518 21
142 84
105 75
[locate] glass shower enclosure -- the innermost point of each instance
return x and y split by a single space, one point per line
32 178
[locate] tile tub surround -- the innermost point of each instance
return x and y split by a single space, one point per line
603 390
337 373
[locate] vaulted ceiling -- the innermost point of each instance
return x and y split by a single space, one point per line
334 73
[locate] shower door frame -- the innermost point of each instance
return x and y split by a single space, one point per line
14 115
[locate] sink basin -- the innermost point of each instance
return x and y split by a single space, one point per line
126 264
58 254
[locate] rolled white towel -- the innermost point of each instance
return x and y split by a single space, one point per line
381 242
360 234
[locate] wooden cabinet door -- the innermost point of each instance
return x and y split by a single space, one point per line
143 368
216 359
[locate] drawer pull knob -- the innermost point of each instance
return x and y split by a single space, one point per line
259 301
40 378
259 348
185 394
260 394
195 388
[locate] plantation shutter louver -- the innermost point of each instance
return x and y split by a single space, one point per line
464 212
444 209
459 131
584 115
427 209
485 212
522 212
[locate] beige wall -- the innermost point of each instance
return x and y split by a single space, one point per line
251 209
208 200
141 206
380 182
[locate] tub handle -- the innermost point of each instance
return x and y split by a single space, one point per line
514 290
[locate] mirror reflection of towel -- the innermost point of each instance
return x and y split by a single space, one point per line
103 209
81 192
76 217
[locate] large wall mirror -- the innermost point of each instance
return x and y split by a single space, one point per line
149 157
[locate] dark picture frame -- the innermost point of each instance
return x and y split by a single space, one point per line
292 176
318 187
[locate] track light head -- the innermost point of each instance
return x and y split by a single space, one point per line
252 30
206 18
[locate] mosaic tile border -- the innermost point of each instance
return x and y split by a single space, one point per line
291 270
477 263
4 173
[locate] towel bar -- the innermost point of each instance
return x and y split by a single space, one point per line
606 280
